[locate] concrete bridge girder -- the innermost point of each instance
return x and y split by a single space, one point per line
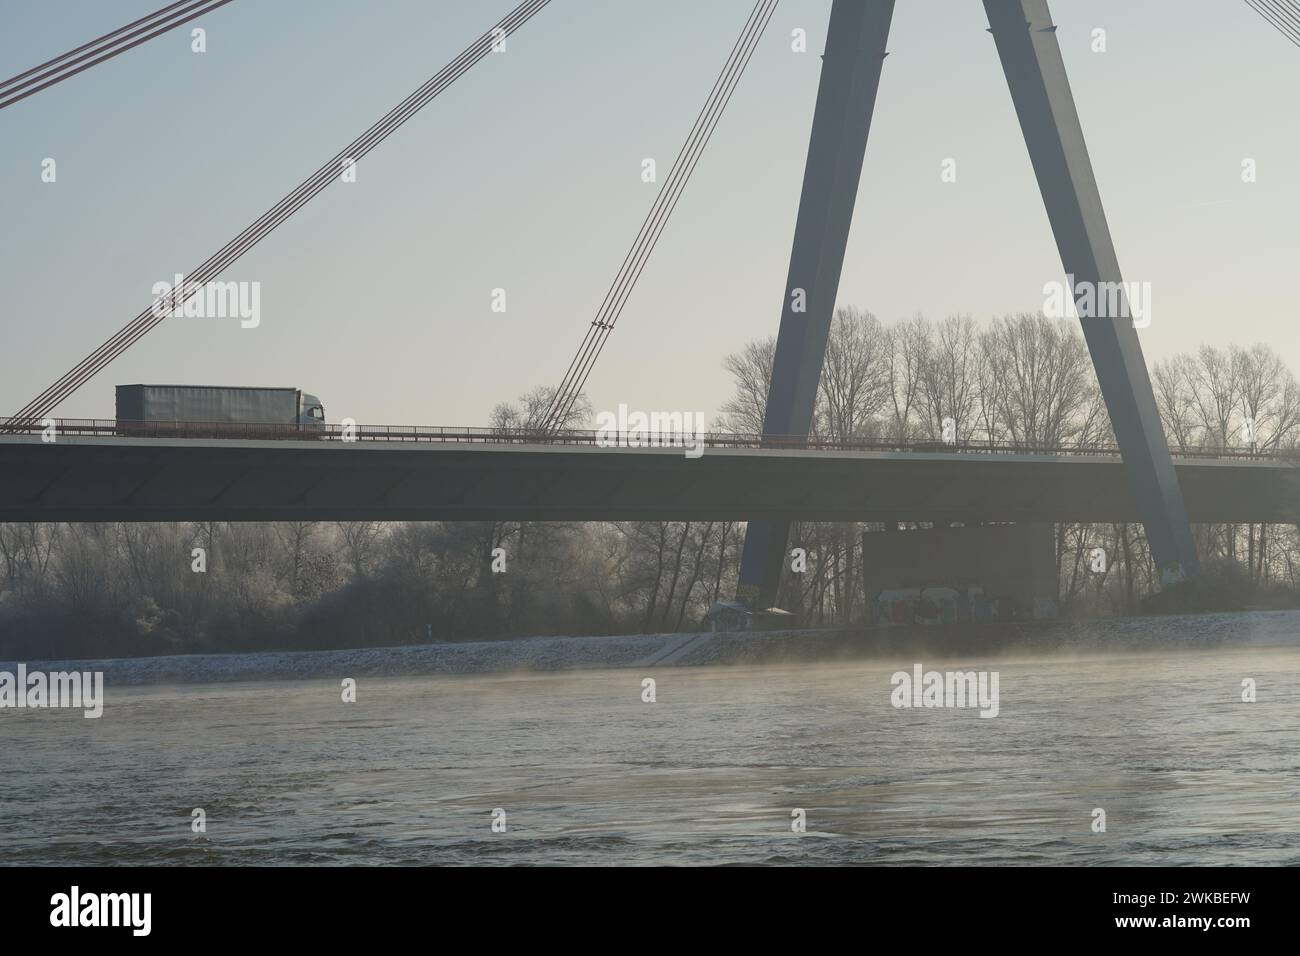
100 480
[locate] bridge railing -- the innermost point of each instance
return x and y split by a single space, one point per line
442 434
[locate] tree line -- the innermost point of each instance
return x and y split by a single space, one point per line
125 589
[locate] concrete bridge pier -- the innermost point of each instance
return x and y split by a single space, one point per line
973 573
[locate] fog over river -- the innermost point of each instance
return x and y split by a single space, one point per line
712 771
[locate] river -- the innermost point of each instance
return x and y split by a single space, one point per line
712 771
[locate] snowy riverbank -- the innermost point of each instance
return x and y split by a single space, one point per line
1261 628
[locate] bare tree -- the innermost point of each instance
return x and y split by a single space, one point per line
751 373
949 378
909 349
1170 379
360 539
991 391
295 538
1046 374
854 386
528 414
1213 388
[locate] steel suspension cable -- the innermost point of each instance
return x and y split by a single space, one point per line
124 38
268 222
161 307
562 393
1286 11
87 46
1281 14
647 239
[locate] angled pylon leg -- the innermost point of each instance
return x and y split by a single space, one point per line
846 98
1031 58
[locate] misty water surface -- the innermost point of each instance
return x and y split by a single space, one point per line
709 773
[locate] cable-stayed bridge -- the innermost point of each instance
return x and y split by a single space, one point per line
96 471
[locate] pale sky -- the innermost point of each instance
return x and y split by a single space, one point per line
526 176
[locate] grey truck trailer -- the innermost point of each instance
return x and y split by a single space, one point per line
154 408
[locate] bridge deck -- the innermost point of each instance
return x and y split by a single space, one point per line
101 478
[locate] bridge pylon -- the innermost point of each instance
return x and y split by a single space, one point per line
1026 43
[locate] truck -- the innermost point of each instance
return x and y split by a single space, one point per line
153 409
